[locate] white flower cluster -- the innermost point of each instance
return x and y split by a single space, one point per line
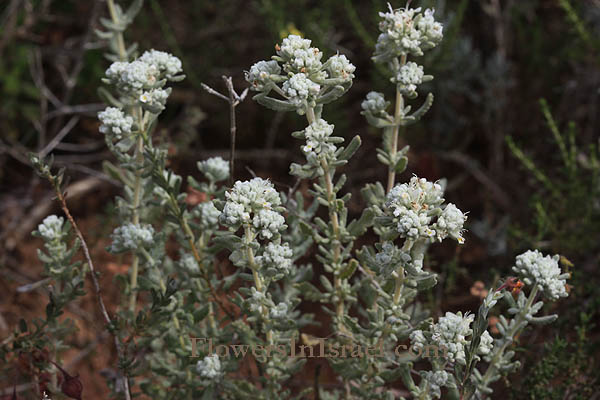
51 228
261 73
268 223
276 256
215 169
132 76
450 223
375 103
409 76
115 122
247 198
144 77
535 268
450 333
317 137
300 90
436 381
154 100
305 77
279 311
188 262
208 214
415 206
256 300
130 237
406 31
165 63
340 68
209 367
299 56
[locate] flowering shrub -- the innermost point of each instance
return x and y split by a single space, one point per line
371 293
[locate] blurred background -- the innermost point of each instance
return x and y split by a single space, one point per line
514 129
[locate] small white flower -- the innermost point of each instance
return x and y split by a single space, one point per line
209 215
261 72
450 223
410 75
436 381
188 262
535 268
450 333
115 122
130 237
317 137
268 223
165 63
486 345
154 100
406 31
340 67
215 169
374 103
276 256
209 367
51 228
300 90
280 311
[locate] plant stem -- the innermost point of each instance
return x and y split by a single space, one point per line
88 258
515 330
120 41
135 214
258 281
399 110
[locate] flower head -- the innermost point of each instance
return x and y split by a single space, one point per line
276 256
406 31
248 201
300 90
317 137
341 68
210 367
375 103
115 122
409 76
131 237
535 268
51 228
166 63
450 333
215 169
260 74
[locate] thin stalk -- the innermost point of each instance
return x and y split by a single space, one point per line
120 41
399 110
135 213
335 225
512 334
399 285
88 258
198 257
258 281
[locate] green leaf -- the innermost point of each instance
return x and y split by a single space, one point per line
401 165
273 104
349 270
359 226
349 151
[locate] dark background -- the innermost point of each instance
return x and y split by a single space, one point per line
497 60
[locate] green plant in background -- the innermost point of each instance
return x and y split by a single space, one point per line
175 301
567 216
